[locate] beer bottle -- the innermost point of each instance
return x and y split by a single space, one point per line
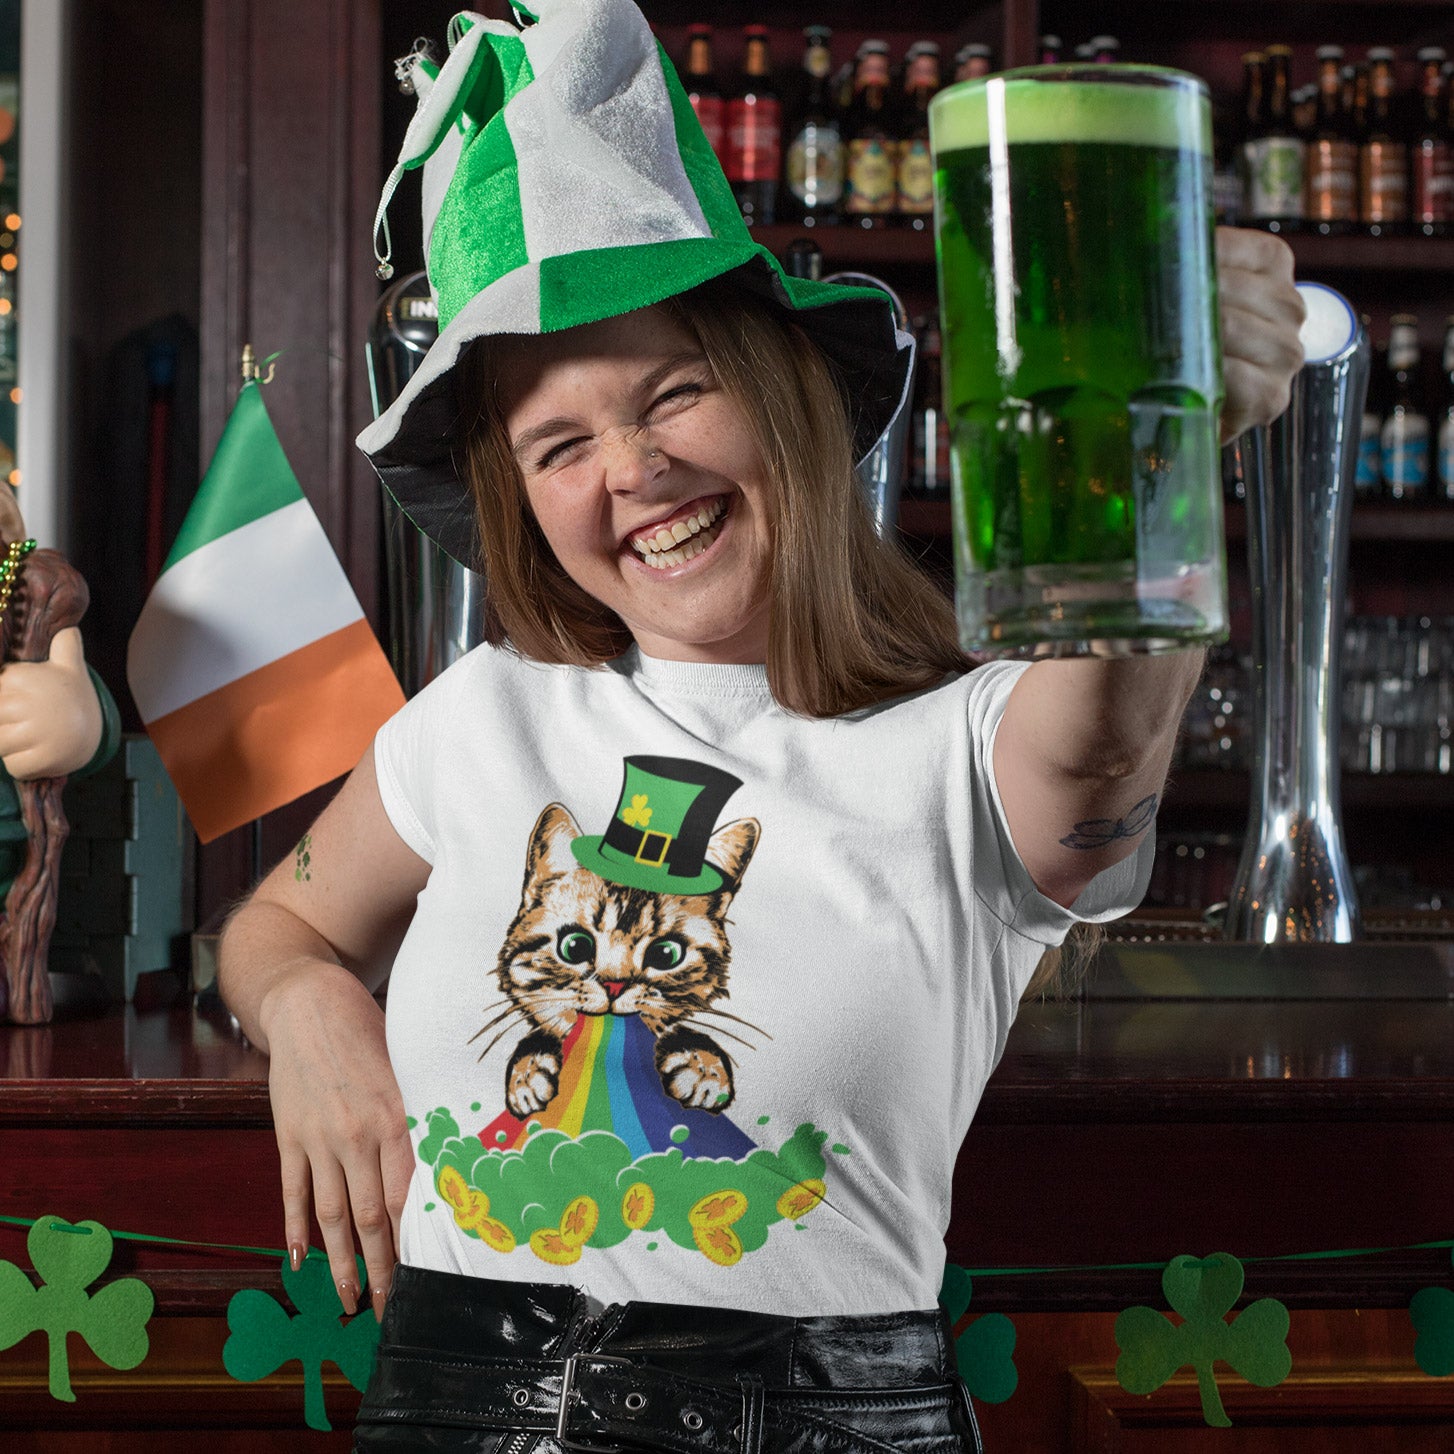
1049 50
1305 110
1226 167
1105 49
1406 426
701 85
804 260
1332 200
929 443
1383 157
815 154
1433 156
971 62
754 134
915 166
1445 488
868 129
1368 476
1254 73
1277 154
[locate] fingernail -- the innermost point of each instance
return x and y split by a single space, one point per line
381 1296
348 1295
295 1255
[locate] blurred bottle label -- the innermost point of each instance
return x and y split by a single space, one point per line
1384 181
709 111
1369 474
916 177
1433 181
1275 177
815 165
754 139
870 176
1333 181
1405 454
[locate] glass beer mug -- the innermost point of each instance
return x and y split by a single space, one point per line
1081 364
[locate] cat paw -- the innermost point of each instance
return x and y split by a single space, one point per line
697 1077
531 1083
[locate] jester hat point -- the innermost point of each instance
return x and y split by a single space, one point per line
566 180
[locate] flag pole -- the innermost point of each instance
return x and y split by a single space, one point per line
250 372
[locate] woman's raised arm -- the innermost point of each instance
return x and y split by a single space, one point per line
298 965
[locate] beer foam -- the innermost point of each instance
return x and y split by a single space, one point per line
1105 111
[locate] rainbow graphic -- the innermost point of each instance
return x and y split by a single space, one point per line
608 1082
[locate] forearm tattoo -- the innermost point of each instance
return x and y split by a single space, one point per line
1101 832
303 859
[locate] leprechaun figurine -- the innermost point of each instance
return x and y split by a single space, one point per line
56 719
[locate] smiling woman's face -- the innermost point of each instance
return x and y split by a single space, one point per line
645 481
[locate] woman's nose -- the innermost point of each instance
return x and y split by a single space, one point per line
632 460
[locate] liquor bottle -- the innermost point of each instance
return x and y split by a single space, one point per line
1226 166
1432 205
1305 110
1445 485
1050 50
1383 156
1254 76
1332 192
929 441
754 125
871 143
701 85
814 174
972 61
915 165
1276 154
1105 49
1405 427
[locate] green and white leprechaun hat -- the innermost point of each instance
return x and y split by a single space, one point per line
566 180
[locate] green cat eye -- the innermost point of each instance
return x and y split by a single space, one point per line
576 946
665 954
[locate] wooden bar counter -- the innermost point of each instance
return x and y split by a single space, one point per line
1198 1099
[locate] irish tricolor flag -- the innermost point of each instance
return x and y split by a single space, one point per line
252 664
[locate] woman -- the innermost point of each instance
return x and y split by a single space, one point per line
708 890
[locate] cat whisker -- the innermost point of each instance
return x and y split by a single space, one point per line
489 1024
728 1015
504 1031
725 1034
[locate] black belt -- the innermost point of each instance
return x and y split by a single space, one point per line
602 1403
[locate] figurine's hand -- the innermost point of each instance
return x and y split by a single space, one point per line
1262 313
50 720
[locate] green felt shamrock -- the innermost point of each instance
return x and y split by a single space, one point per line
69 1259
1432 1311
1203 1291
984 1349
263 1337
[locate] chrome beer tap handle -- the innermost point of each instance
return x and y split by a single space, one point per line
1293 881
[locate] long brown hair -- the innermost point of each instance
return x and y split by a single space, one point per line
853 620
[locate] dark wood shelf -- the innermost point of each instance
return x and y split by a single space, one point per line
846 245
1421 524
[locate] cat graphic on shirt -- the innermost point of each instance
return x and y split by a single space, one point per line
580 945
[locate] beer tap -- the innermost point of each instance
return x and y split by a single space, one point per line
1294 882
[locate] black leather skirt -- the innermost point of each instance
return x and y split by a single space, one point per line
472 1366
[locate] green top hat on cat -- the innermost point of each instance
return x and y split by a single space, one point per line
657 839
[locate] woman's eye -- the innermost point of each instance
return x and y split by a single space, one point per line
665 954
575 946
681 394
558 453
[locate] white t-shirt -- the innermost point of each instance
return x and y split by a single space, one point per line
700 996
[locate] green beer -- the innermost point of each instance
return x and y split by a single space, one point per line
1082 371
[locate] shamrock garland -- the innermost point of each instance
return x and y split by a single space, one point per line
983 1349
69 1258
1203 1291
264 1337
1432 1311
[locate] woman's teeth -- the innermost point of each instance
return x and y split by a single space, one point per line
684 539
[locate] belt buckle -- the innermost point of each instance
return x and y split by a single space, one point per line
568 1393
661 852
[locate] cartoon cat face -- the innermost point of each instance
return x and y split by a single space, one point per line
581 945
